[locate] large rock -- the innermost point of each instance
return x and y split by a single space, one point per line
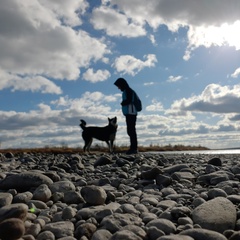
12 228
116 221
17 210
101 234
94 195
5 199
203 234
163 224
62 186
24 181
60 229
175 168
42 193
218 214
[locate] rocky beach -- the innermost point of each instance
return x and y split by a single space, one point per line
101 196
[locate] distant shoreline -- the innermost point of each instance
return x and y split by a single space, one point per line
102 149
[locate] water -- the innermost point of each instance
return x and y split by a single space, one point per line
223 151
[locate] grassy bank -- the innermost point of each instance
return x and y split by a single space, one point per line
97 148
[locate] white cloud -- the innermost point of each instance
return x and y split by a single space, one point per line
128 64
98 76
148 83
153 40
31 83
155 107
209 23
236 73
174 79
67 11
214 99
120 24
35 41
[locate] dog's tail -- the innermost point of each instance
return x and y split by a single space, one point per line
82 124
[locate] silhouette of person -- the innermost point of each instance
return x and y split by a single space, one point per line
130 112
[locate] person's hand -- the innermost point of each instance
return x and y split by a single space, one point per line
123 103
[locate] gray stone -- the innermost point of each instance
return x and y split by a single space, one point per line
33 229
46 235
216 192
42 193
60 229
125 234
235 236
176 237
203 234
151 173
68 238
234 198
72 197
68 213
175 168
154 233
12 228
94 195
22 197
16 210
103 160
183 175
136 230
163 180
62 186
218 214
178 212
163 224
215 161
24 181
116 221
101 234
85 229
5 199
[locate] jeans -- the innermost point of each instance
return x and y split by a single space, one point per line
131 130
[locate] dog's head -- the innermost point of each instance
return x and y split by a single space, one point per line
113 122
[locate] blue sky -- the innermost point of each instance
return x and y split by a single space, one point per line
59 60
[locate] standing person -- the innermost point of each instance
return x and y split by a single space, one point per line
130 112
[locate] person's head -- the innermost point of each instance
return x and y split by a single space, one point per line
121 83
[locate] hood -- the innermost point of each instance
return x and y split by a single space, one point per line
121 83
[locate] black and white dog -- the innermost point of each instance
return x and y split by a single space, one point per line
106 133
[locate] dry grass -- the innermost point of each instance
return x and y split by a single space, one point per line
97 148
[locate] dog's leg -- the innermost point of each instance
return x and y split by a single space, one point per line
109 146
87 141
89 144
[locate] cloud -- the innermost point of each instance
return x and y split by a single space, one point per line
128 64
98 76
148 83
61 112
39 40
214 23
69 12
214 99
174 79
201 129
236 73
155 107
121 25
33 84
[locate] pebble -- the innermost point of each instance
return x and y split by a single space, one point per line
114 196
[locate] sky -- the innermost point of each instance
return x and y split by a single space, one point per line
59 60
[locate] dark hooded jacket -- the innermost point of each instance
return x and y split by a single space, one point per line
127 97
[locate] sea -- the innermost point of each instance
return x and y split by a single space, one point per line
210 152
